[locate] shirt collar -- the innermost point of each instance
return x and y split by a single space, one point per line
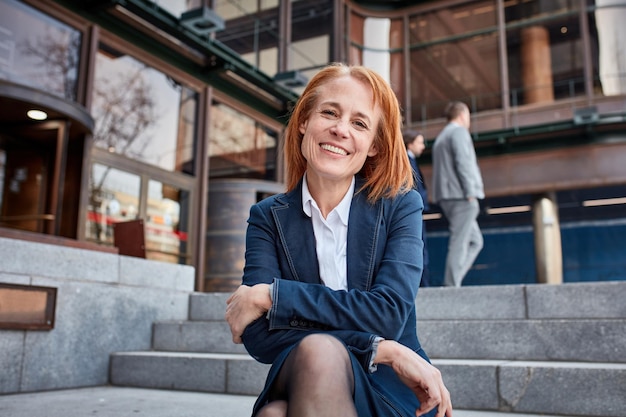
411 154
342 209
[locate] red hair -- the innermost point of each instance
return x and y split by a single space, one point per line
388 173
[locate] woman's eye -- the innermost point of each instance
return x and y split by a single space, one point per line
360 124
329 112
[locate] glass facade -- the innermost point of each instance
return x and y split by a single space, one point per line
142 113
545 51
311 36
252 30
607 29
113 197
37 50
240 147
178 7
167 223
467 52
454 56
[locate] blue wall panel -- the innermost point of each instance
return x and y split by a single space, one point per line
591 252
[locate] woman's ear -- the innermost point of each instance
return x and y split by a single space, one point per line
302 127
373 151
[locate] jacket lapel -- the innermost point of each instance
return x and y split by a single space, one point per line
363 230
296 236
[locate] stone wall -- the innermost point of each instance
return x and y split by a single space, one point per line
105 303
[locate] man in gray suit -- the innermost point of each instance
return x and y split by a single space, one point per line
457 186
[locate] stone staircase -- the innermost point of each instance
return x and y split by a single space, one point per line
532 349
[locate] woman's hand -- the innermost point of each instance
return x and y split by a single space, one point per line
245 306
415 372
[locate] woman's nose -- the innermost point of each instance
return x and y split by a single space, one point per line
341 128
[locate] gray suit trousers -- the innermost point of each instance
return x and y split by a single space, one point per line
466 239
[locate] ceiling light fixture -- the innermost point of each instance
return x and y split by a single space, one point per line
508 210
202 21
37 114
604 202
291 79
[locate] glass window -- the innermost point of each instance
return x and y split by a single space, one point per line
454 56
607 30
545 53
311 33
240 147
166 223
452 21
38 51
229 9
113 197
252 30
178 7
521 11
142 113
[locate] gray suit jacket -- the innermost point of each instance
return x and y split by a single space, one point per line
456 174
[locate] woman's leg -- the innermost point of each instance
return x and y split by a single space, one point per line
315 380
277 408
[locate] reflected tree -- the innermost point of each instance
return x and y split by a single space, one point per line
55 58
124 109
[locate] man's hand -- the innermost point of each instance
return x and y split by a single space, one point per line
245 306
415 372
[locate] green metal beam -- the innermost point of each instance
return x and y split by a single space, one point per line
217 57
542 137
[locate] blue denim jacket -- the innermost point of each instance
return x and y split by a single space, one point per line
384 264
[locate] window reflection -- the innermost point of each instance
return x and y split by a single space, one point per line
142 113
608 32
166 223
517 11
252 30
113 197
240 147
38 51
463 63
546 60
177 7
311 36
443 23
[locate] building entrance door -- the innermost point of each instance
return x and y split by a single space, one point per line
41 160
30 159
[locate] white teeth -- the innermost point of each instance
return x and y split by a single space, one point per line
334 149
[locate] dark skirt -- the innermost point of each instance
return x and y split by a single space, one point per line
370 399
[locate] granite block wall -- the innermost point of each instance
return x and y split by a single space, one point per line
105 303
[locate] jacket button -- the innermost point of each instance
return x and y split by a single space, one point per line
293 323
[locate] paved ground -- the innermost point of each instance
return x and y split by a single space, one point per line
110 401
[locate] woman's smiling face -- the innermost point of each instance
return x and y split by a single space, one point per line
339 134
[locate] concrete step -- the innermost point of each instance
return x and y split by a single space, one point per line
586 340
597 300
561 388
207 306
532 349
194 336
189 371
108 401
600 340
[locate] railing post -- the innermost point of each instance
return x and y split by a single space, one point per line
548 250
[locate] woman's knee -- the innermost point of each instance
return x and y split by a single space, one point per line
276 408
321 351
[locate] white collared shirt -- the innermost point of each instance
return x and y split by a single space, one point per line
331 237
